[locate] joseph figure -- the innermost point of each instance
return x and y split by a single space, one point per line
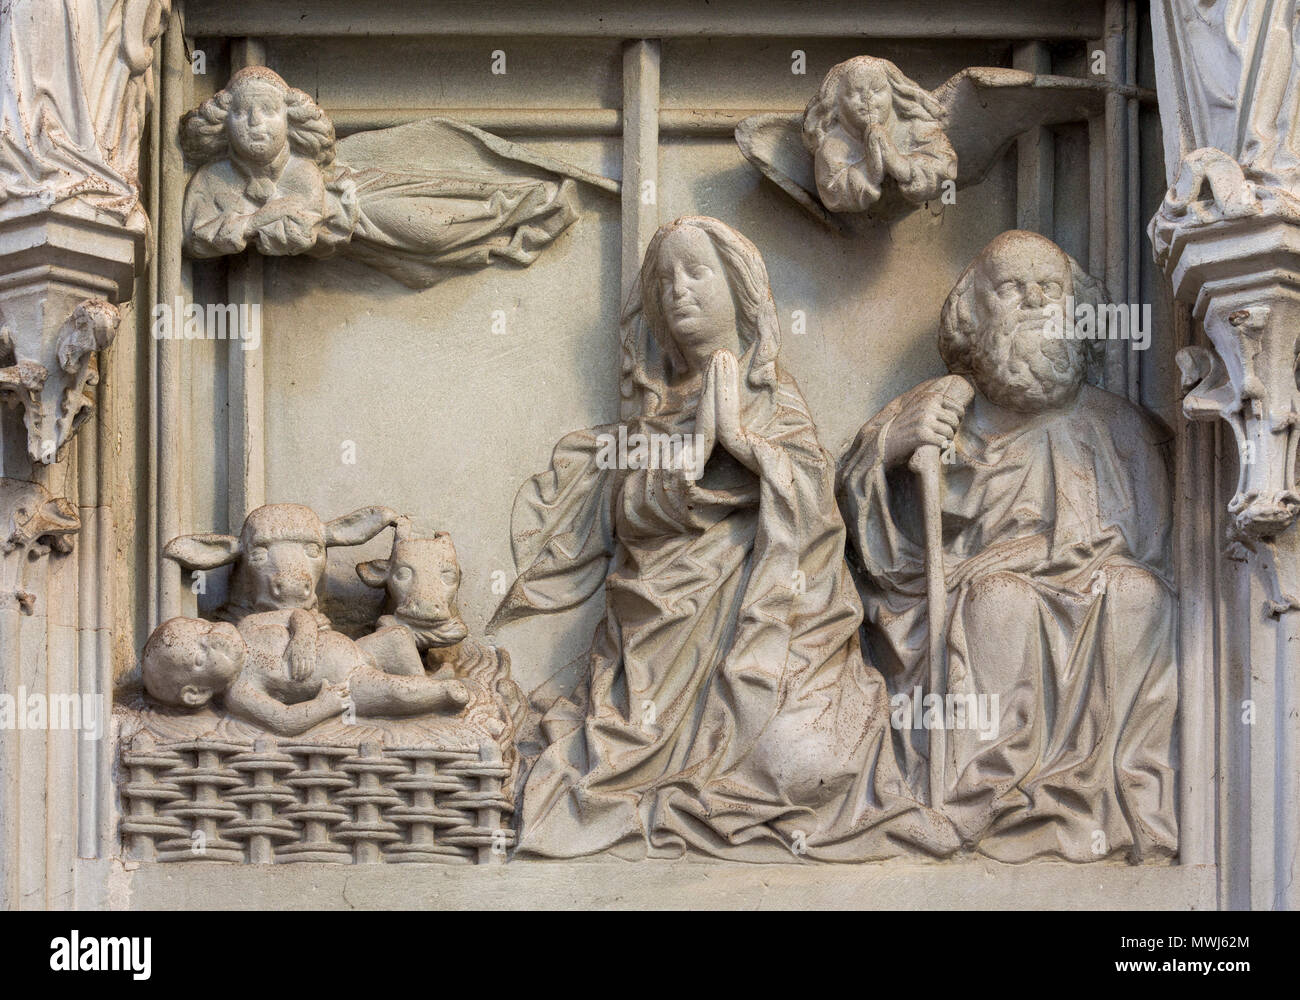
1060 609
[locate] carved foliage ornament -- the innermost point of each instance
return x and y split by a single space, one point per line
35 525
45 375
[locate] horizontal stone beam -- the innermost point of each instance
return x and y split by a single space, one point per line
996 19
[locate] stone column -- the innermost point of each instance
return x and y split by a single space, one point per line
1228 236
75 77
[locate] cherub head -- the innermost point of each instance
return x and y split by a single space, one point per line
187 660
257 119
865 93
998 323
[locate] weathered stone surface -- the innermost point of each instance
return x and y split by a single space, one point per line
709 657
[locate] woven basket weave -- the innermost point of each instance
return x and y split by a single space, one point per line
276 802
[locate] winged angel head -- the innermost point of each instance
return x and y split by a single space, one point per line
869 123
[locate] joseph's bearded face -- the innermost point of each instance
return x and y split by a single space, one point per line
1020 291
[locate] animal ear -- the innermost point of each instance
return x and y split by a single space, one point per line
373 573
203 551
359 526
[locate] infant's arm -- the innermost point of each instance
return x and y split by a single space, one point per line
300 653
248 700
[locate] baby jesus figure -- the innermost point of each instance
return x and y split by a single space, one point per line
281 671
869 122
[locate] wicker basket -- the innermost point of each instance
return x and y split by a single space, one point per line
277 802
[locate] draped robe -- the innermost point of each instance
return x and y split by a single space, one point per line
412 226
1060 602
726 709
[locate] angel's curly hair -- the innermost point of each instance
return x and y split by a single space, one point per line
911 101
311 133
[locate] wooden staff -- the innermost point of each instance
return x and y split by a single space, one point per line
927 462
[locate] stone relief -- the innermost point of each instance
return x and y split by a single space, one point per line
418 202
1010 505
1057 607
728 709
875 144
270 677
991 668
751 693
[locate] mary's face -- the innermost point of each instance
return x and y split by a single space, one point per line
258 124
695 296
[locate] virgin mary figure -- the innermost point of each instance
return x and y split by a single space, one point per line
726 708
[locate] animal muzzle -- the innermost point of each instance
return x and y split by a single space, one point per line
438 630
294 589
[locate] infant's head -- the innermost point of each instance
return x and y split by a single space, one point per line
187 660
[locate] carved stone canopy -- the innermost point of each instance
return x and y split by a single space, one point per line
59 272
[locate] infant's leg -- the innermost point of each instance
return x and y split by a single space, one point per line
394 651
377 693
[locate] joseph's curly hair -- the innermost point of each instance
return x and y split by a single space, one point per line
203 131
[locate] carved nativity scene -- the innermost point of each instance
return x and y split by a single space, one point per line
767 445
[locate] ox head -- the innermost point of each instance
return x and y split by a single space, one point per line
279 555
422 580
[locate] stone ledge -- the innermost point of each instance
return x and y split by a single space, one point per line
608 885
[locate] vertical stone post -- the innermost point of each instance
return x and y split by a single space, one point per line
72 234
1228 236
